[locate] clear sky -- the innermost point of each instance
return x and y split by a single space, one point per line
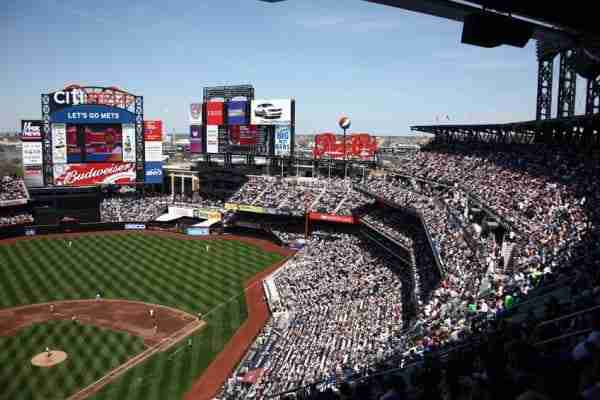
384 67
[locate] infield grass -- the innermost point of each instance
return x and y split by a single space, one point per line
161 270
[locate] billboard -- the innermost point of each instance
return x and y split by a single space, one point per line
31 129
193 231
207 213
92 114
237 113
32 176
244 139
153 172
153 131
59 143
32 153
212 139
283 140
196 114
94 174
196 139
358 146
153 151
271 112
214 113
343 219
128 143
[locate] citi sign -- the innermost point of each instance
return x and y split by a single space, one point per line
73 97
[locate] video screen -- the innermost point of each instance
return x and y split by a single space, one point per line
94 143
103 143
244 139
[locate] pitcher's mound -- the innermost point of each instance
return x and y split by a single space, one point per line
45 360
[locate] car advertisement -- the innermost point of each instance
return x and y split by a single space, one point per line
214 113
32 176
153 172
31 129
128 142
237 113
283 140
32 153
271 112
196 139
212 139
59 143
94 174
196 113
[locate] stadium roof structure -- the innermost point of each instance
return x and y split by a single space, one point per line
582 130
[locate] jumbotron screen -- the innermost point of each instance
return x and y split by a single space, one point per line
94 143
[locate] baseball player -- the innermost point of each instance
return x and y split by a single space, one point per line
98 296
151 313
48 352
70 243
51 308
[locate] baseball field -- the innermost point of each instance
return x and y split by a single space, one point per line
183 282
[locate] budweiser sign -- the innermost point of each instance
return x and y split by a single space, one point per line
94 174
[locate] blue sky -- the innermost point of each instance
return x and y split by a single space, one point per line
386 68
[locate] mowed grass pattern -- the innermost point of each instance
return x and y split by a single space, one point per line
161 270
92 352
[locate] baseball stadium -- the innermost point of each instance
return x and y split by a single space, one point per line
251 263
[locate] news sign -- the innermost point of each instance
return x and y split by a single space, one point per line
237 113
31 130
196 113
32 153
94 174
271 112
283 140
214 113
153 172
59 143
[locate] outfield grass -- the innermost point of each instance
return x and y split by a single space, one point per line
92 352
167 271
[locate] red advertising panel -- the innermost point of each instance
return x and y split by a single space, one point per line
214 113
342 219
153 131
243 135
94 174
358 145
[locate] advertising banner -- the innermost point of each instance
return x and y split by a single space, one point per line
30 232
206 213
94 174
135 226
244 139
212 139
214 113
92 114
33 176
197 231
196 139
59 143
358 146
231 206
153 131
343 219
154 151
32 153
237 113
153 172
128 142
283 140
271 112
196 114
245 224
31 129
252 209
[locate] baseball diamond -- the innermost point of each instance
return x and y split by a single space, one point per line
119 349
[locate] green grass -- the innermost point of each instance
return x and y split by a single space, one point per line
92 352
168 271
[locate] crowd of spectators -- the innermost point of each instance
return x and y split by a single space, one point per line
133 207
8 218
12 189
